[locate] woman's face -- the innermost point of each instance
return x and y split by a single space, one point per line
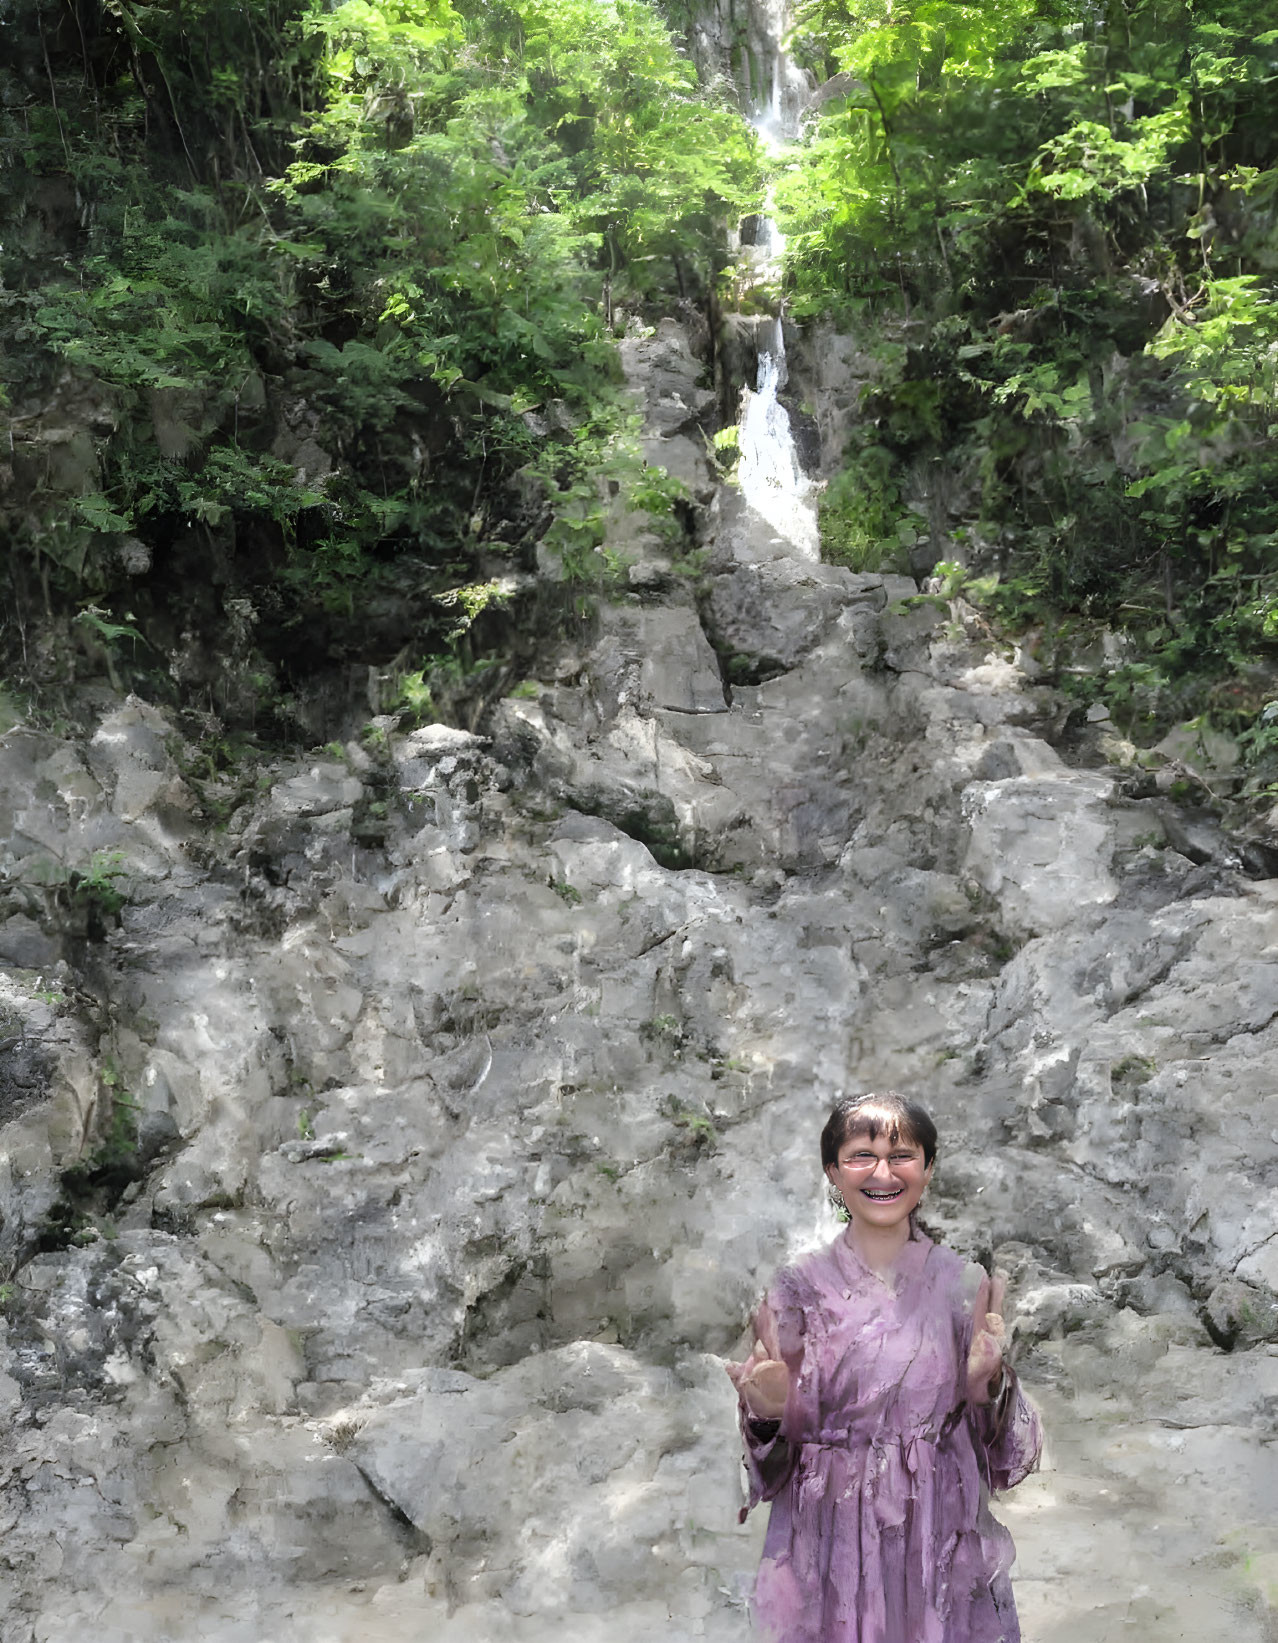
881 1181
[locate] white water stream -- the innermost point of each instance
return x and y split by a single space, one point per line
769 473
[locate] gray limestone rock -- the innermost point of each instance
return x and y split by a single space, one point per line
1241 1314
371 1207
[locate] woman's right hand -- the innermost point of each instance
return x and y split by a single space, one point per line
762 1383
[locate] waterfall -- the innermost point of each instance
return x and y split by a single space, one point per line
743 43
769 473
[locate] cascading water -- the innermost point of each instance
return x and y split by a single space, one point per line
769 472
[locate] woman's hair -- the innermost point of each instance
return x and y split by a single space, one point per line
883 1112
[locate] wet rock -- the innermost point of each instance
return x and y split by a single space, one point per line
25 1067
764 619
569 1433
1199 837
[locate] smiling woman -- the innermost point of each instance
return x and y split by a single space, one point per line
878 1154
878 1414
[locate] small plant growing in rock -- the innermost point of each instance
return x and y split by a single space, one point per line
666 1031
370 821
690 564
342 1430
415 696
97 893
120 1143
96 624
98 883
1001 947
698 1127
566 892
95 1183
727 442
88 897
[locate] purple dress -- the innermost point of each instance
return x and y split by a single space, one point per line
880 1475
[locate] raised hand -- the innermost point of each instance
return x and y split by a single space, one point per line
763 1383
985 1360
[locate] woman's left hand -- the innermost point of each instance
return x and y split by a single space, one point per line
985 1360
763 1383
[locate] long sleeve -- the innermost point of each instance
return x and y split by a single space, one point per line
768 1459
768 1463
1011 1433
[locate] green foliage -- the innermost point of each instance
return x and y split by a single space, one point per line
341 306
865 523
86 899
97 888
1059 228
119 1140
699 1133
415 696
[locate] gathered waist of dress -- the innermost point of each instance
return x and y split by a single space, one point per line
851 1439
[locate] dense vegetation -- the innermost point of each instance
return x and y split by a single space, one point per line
307 318
1057 227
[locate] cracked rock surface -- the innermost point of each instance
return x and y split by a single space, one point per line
377 1199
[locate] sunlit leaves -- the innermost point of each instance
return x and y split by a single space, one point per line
365 39
1042 390
1089 159
349 278
1228 345
1056 231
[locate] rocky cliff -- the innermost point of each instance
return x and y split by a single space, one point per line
386 1163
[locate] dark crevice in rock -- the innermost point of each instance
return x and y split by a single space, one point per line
416 1541
507 1321
1224 1338
25 1067
648 818
734 621
131 1145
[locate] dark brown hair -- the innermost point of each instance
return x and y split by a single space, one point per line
880 1112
